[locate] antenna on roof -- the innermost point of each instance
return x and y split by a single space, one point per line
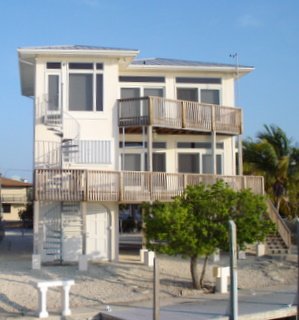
235 56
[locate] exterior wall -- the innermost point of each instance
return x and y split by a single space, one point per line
16 198
98 125
14 213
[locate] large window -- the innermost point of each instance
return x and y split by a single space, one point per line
189 94
188 162
210 96
207 164
81 92
85 87
131 162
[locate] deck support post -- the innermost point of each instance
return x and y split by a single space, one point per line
214 163
150 148
240 156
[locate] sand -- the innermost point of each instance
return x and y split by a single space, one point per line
123 282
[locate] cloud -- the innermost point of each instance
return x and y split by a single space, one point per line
248 21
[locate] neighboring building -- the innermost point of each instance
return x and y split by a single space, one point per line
110 129
15 195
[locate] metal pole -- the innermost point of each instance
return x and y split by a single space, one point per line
233 272
156 314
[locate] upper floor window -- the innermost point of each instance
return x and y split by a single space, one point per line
85 87
211 96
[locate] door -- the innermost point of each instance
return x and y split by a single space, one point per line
97 232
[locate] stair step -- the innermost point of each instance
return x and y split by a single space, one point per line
65 146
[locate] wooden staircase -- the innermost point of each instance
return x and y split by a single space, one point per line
276 246
279 243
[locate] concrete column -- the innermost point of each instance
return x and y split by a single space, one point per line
83 262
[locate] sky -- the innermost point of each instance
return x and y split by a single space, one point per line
264 34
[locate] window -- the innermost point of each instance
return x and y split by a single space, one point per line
207 166
198 80
141 79
81 92
188 162
198 145
53 65
53 92
189 94
85 87
210 96
6 208
127 93
154 92
159 162
135 106
131 162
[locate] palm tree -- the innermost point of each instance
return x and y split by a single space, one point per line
273 156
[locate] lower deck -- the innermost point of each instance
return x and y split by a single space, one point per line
126 186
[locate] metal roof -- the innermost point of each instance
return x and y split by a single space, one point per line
180 63
76 47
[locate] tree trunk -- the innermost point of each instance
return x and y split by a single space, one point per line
194 273
203 271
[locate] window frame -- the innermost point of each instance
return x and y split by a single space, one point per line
95 71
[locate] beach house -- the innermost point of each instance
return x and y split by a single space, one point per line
111 128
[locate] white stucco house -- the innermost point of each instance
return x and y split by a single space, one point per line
112 129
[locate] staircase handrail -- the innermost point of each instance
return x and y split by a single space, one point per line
282 228
57 120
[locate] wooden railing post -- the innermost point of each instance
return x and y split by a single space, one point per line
121 186
86 186
183 113
213 118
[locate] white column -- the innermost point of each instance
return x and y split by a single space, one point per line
42 301
66 311
149 148
213 140
240 156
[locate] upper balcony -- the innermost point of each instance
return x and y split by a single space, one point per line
179 115
126 186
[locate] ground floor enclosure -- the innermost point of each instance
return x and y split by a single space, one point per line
63 231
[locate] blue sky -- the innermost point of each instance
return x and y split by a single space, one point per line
264 33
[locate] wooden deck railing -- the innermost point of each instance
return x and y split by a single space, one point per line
125 186
179 114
